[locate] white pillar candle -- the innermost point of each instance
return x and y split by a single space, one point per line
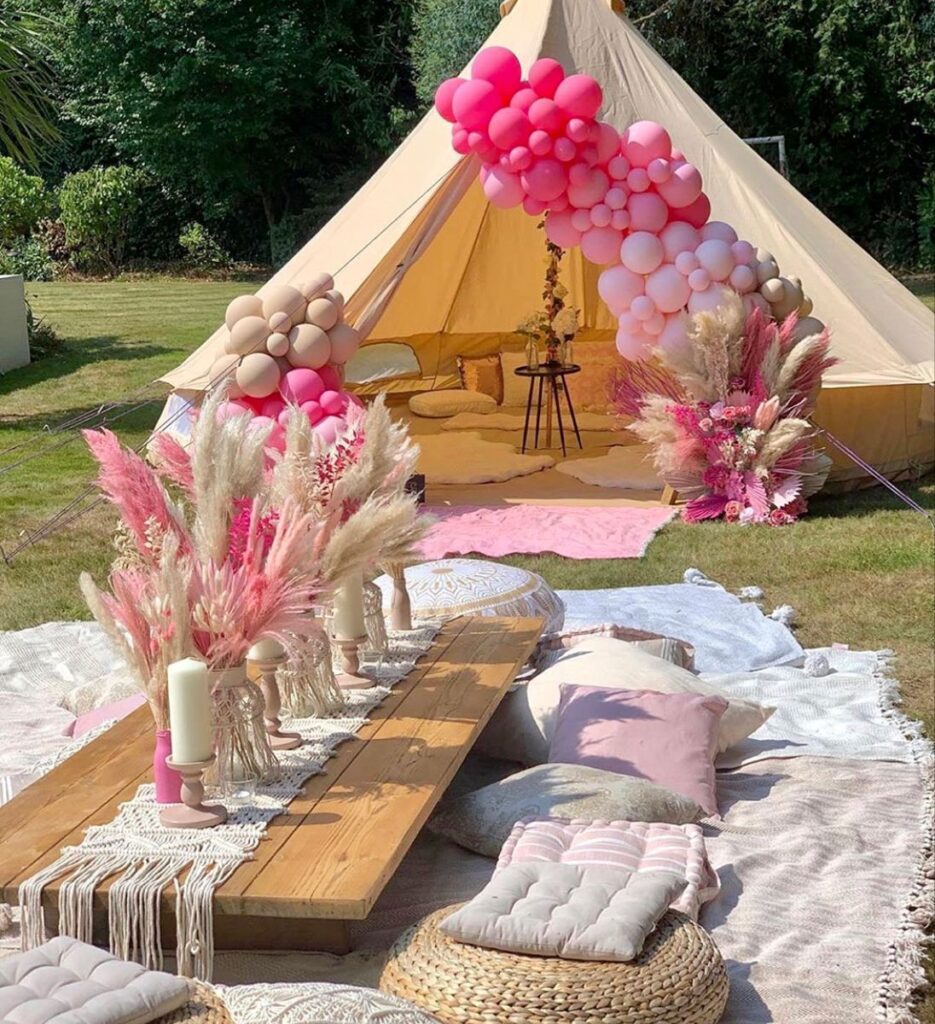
190 711
348 621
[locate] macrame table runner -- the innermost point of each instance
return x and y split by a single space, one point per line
143 857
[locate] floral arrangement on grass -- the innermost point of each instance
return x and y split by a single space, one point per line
726 416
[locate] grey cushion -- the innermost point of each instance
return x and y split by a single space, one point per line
482 821
566 910
69 982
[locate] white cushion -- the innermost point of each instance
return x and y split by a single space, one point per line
436 404
69 982
515 387
521 729
566 910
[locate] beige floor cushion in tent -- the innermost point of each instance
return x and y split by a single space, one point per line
466 458
437 404
623 466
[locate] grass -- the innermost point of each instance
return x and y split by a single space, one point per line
858 570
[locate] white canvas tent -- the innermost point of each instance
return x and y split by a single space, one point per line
423 259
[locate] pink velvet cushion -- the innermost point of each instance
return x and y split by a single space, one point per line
119 709
669 739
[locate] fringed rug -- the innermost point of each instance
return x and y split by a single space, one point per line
574 532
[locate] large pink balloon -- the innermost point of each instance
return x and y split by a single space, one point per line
678 236
716 257
509 128
647 212
579 96
634 346
547 116
674 337
503 188
592 191
667 288
696 213
329 428
719 230
301 385
524 99
545 180
618 287
561 231
601 245
645 141
545 76
444 97
713 296
475 103
641 252
682 188
608 142
500 67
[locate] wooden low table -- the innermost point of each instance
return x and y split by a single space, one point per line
323 862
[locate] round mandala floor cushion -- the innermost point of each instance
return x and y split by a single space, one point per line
449 587
438 404
319 1003
678 978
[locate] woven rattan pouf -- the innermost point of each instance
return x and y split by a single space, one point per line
679 978
204 1007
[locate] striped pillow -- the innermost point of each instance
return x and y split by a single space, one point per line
632 845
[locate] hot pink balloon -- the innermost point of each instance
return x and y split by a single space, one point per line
742 279
618 168
459 141
719 230
500 67
577 130
716 257
647 212
545 180
600 245
503 188
561 231
641 252
509 128
645 141
313 411
547 116
565 150
638 180
534 206
524 99
540 142
678 236
520 158
713 296
682 188
474 104
479 143
608 142
592 191
559 203
579 96
330 379
545 76
696 213
300 385
331 402
668 289
659 170
601 215
444 97
618 287
271 406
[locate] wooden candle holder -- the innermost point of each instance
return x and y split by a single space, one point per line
192 812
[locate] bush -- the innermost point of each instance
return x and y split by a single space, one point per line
43 341
29 257
98 208
446 34
202 250
23 201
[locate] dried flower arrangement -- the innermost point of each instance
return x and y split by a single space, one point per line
726 416
556 321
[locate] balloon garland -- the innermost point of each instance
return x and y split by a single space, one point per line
288 347
629 199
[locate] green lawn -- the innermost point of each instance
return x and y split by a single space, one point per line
858 569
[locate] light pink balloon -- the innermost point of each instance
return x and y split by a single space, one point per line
592 191
719 230
628 323
520 158
635 347
312 410
638 180
579 96
534 206
699 280
620 220
459 140
677 237
509 128
659 170
641 252
686 262
616 198
713 296
500 67
716 257
674 337
228 409
743 252
647 212
545 76
579 174
540 142
601 215
643 307
581 219
577 130
668 288
618 287
618 168
742 279
330 428
474 104
600 245
503 189
444 97
547 116
682 188
655 324
645 141
524 99
752 301
696 213
560 229
565 150
545 180
607 142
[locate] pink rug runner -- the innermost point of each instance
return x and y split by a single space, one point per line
596 532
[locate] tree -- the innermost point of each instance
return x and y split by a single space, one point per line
446 34
23 201
236 99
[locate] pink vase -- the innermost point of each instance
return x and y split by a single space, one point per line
168 782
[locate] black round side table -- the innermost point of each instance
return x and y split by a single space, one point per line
551 375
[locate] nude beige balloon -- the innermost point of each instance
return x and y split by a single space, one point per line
806 307
316 284
789 301
344 342
283 298
766 270
806 327
322 313
223 369
247 335
308 346
277 344
280 323
337 298
772 290
243 305
258 375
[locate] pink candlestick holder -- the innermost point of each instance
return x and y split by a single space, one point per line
350 676
272 704
192 812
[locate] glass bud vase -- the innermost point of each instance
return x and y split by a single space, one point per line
532 353
244 755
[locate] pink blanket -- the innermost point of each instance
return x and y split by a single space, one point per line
575 532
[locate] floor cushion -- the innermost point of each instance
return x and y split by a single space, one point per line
566 910
515 388
437 404
631 845
483 374
482 821
522 726
669 739
116 711
65 981
666 647
318 1003
449 587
